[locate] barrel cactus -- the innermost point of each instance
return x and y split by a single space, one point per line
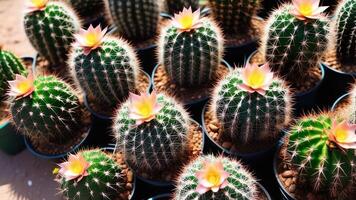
216 178
136 20
45 109
152 131
88 8
190 49
50 27
323 149
296 38
10 65
252 105
234 15
106 68
175 6
345 32
89 175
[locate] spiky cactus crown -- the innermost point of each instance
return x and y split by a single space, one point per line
324 166
104 179
240 184
108 73
136 19
247 118
88 8
158 144
191 58
51 113
344 28
51 31
9 66
234 15
175 6
293 46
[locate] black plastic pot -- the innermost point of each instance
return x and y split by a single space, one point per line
238 54
340 100
196 106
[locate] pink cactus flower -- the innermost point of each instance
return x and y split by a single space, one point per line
90 39
35 5
75 168
187 20
307 9
343 135
21 87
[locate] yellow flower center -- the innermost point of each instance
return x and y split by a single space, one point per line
91 39
306 9
213 176
256 79
186 22
341 135
24 87
145 108
76 167
39 3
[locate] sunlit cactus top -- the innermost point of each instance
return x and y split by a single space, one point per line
36 5
90 39
307 9
21 87
187 20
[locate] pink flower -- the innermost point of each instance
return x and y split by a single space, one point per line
36 5
143 107
90 39
343 135
211 177
75 168
187 20
256 79
307 9
21 87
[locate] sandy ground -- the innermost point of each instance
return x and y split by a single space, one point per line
22 177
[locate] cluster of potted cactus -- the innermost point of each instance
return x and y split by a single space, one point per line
195 127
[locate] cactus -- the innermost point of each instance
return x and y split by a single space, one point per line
321 161
174 6
88 8
191 54
107 73
100 176
9 66
50 30
345 32
293 46
249 118
135 19
234 15
49 112
240 183
156 144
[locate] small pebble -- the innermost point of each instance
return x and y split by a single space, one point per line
213 127
287 174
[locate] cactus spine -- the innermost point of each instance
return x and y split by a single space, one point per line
104 180
51 31
241 183
294 46
9 66
249 118
51 114
175 6
157 145
106 74
135 19
88 8
345 32
234 15
326 168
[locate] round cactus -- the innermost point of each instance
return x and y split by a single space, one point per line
315 150
47 109
191 52
107 73
237 182
156 142
91 175
234 15
175 6
50 28
251 116
294 45
345 32
88 8
9 66
135 19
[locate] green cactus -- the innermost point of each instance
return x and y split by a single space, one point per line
135 19
156 145
293 46
9 66
325 167
51 114
51 31
107 74
175 6
234 15
104 181
241 183
88 8
345 32
249 118
191 58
